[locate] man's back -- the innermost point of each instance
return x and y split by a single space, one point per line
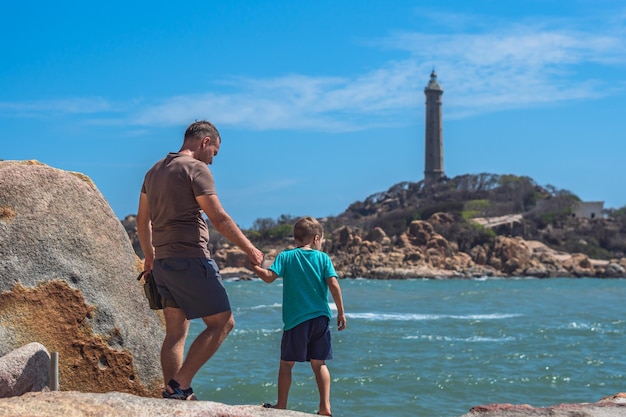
171 185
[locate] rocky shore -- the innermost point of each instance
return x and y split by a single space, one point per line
421 252
611 406
115 404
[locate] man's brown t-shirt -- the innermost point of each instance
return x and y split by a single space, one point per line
178 226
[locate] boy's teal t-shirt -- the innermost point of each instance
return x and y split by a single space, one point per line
305 290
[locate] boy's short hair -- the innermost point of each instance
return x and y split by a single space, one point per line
307 227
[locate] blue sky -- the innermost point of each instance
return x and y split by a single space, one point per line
320 103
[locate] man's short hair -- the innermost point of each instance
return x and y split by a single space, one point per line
201 129
306 228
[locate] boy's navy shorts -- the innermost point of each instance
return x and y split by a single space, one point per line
306 341
192 284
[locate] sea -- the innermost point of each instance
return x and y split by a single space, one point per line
423 347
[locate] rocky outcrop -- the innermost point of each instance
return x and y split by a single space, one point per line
75 404
67 281
421 252
612 406
114 404
23 370
231 257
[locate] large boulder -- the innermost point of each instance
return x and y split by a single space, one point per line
23 370
513 255
67 281
420 232
377 234
611 406
77 404
579 265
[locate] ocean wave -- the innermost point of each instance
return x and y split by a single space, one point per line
602 328
424 317
239 332
462 339
262 306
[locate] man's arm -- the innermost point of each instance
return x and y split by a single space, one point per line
227 227
144 231
335 290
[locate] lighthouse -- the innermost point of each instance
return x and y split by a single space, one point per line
433 157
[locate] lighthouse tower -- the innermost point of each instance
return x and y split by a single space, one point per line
433 163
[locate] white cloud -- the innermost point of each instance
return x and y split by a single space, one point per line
521 66
508 67
501 66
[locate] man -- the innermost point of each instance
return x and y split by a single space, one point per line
174 236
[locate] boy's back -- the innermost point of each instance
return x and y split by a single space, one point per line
305 288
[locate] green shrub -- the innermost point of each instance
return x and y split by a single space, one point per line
279 232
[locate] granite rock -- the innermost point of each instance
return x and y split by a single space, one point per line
24 370
611 406
68 281
116 404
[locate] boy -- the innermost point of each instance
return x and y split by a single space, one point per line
308 274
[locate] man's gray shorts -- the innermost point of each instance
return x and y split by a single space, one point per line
193 284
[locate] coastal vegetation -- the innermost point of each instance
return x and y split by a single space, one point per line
545 213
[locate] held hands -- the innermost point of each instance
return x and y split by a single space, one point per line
255 257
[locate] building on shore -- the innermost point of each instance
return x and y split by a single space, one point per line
588 209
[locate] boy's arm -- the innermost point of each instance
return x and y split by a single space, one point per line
335 290
266 275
